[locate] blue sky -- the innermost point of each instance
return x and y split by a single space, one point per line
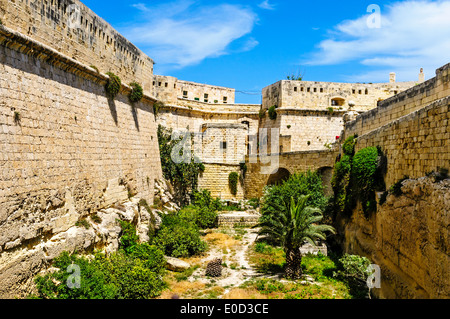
248 45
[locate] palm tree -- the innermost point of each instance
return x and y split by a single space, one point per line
291 225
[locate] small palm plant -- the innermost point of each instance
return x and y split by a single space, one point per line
290 226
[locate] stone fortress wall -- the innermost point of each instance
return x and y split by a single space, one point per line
68 152
322 95
81 35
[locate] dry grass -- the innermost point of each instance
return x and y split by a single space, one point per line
221 240
183 289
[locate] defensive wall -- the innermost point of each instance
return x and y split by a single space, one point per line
68 151
408 235
71 28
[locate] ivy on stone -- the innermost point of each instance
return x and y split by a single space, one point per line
183 176
233 179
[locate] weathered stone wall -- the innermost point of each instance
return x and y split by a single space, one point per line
67 152
402 104
205 93
180 118
171 91
319 95
88 38
414 145
258 176
302 130
215 179
408 237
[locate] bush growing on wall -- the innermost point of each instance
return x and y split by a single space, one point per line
233 179
113 85
273 112
357 177
364 169
137 93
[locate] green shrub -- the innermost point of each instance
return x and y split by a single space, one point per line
137 93
203 217
354 269
83 223
203 198
113 85
118 276
304 183
178 237
273 112
254 202
96 219
348 147
364 169
128 239
233 179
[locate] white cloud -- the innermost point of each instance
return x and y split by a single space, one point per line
184 33
413 34
266 5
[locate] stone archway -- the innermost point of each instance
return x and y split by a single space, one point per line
278 177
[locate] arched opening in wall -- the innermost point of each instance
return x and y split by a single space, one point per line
338 101
279 177
326 173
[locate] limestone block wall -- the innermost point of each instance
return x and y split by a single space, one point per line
257 176
80 34
215 179
319 95
307 130
224 143
67 150
205 93
180 118
408 238
415 144
164 89
402 104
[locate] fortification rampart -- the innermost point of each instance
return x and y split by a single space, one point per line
303 130
324 95
415 144
172 91
402 104
67 152
74 30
